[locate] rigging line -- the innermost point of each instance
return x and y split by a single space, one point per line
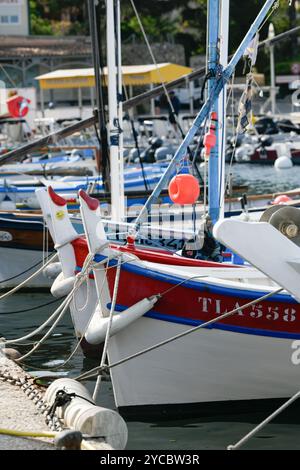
19 286
235 140
236 137
8 76
206 324
135 137
202 130
66 361
230 165
42 261
152 55
222 154
266 421
98 67
159 73
38 329
273 9
108 330
71 355
32 308
39 343
61 311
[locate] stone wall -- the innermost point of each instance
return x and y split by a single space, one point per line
137 53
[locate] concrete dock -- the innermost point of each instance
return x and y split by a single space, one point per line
18 412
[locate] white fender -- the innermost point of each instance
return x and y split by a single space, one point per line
61 286
85 416
96 331
52 270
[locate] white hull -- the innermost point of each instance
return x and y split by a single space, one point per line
206 366
14 261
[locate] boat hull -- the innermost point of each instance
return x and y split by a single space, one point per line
245 357
210 366
16 261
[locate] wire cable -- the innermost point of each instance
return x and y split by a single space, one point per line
31 308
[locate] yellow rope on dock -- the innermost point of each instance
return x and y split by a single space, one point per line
15 432
85 445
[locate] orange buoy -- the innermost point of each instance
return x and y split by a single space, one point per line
282 199
209 141
210 138
184 189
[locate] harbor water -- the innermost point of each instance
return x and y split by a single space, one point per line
209 432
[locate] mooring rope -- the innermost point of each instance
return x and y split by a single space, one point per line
46 336
107 336
79 279
32 276
254 431
40 328
26 270
36 307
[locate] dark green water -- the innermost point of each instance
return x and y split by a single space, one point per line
215 432
264 178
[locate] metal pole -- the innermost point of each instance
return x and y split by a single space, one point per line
92 97
100 117
182 150
191 97
212 62
264 423
113 114
224 33
152 104
42 102
80 102
271 35
120 103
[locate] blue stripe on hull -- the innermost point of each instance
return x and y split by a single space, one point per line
216 326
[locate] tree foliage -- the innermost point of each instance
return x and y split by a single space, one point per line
55 17
177 20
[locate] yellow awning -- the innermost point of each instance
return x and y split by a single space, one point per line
132 75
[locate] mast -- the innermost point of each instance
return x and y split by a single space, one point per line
120 103
94 33
271 35
116 179
213 20
222 100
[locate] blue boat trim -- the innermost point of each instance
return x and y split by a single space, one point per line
130 183
217 326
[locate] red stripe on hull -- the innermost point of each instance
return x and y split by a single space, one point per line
203 305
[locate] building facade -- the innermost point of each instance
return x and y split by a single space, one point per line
14 17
